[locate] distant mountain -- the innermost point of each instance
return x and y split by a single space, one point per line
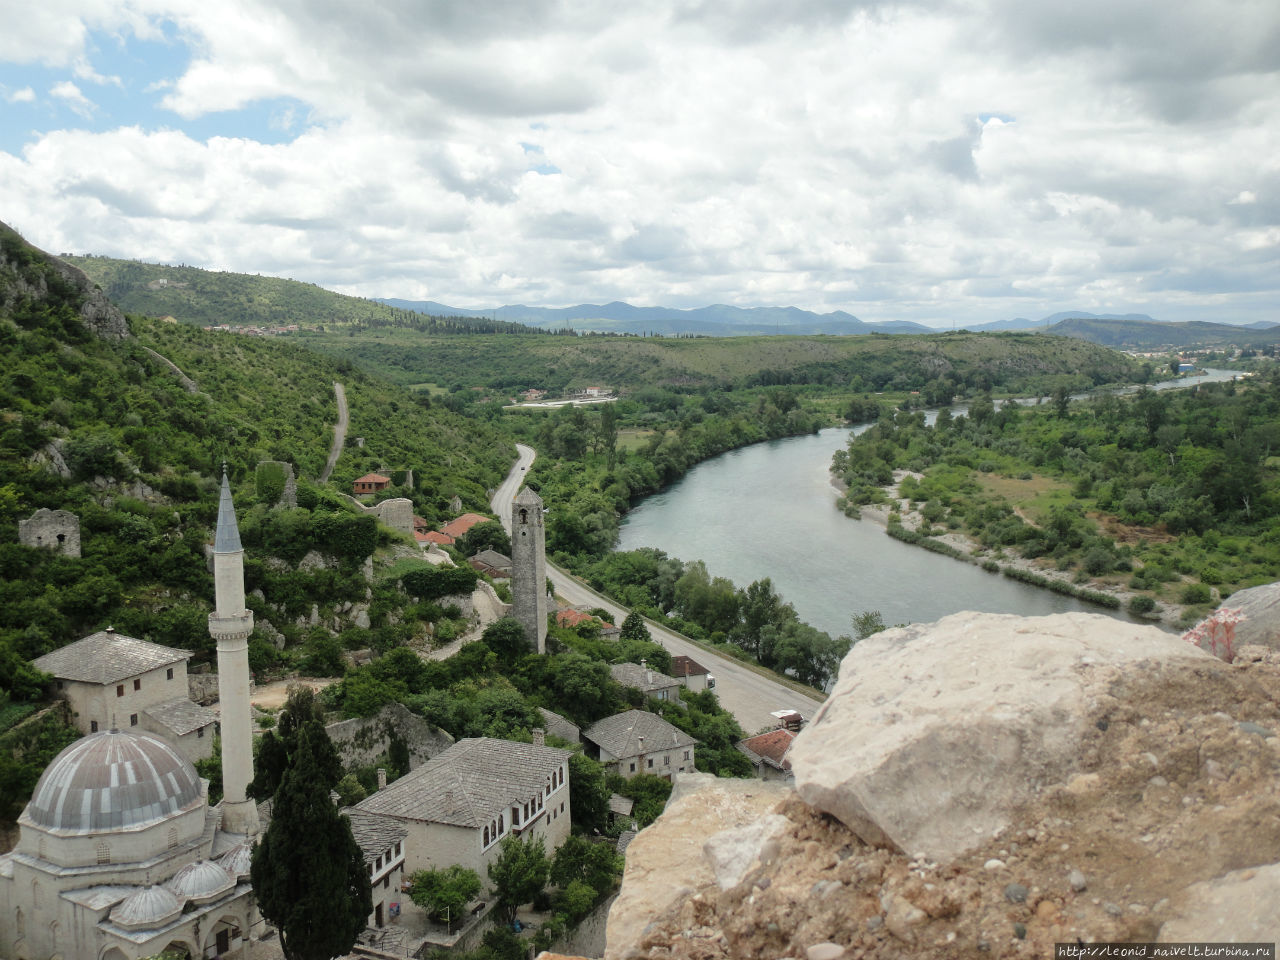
1152 335
719 320
1022 323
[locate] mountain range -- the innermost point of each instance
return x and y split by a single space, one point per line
721 320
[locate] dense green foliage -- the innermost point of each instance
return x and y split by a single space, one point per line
1171 492
27 744
445 893
518 873
308 872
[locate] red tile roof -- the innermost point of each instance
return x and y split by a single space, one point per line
373 478
771 747
571 618
435 536
687 667
460 525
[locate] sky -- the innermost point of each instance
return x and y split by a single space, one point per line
946 162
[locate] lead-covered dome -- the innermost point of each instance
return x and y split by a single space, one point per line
201 881
113 781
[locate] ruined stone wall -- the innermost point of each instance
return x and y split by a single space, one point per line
57 530
396 513
361 741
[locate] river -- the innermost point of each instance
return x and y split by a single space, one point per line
768 510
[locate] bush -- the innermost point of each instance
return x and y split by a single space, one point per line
1141 605
1195 593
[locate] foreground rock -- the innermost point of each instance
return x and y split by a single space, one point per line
934 733
1166 825
1261 609
664 862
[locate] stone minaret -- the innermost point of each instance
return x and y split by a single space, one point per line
230 625
529 567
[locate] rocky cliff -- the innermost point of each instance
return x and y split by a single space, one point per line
986 786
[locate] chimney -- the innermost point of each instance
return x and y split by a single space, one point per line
382 778
648 674
539 737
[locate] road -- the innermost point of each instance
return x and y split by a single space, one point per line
749 695
339 432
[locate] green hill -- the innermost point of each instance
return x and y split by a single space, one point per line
107 429
1153 336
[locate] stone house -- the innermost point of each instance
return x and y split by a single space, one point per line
558 726
492 564
691 674
381 839
116 682
57 530
768 753
651 683
370 483
459 805
640 742
456 527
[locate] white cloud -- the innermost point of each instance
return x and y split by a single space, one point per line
968 162
24 95
70 94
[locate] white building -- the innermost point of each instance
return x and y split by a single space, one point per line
458 806
116 682
640 742
119 854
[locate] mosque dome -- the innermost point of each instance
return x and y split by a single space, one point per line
201 881
237 861
110 782
149 907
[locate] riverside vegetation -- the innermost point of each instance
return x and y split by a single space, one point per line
1167 495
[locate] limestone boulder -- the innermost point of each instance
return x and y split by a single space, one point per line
1261 609
935 733
661 869
1239 907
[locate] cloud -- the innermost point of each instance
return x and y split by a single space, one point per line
70 94
24 95
924 161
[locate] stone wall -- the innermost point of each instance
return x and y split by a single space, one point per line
396 513
57 530
360 741
587 938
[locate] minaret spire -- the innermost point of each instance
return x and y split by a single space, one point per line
230 625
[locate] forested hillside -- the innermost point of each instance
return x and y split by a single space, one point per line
107 430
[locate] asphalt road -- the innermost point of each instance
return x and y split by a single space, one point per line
748 695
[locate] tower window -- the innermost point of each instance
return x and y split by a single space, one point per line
133 719
137 683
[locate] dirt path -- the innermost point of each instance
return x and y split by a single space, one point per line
273 695
339 431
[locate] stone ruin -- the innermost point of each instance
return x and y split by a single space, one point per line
57 530
289 497
396 513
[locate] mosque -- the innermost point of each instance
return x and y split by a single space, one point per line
120 854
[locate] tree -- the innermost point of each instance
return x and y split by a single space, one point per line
634 628
506 638
582 861
519 873
868 622
308 872
444 894
588 794
276 750
487 535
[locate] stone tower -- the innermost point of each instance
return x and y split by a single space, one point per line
230 625
529 567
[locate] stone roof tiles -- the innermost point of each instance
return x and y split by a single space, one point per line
621 734
226 539
642 678
107 657
375 834
181 716
468 784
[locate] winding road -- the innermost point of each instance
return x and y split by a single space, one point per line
749 693
339 431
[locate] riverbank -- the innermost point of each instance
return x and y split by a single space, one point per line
965 549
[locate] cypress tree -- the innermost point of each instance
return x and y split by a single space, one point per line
308 872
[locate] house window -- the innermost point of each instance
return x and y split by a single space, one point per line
502 824
666 761
650 764
224 941
397 849
93 726
168 674
137 683
119 689
200 734
486 836
686 754
633 768
133 719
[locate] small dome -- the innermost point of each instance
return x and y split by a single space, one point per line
237 860
113 781
201 881
150 907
